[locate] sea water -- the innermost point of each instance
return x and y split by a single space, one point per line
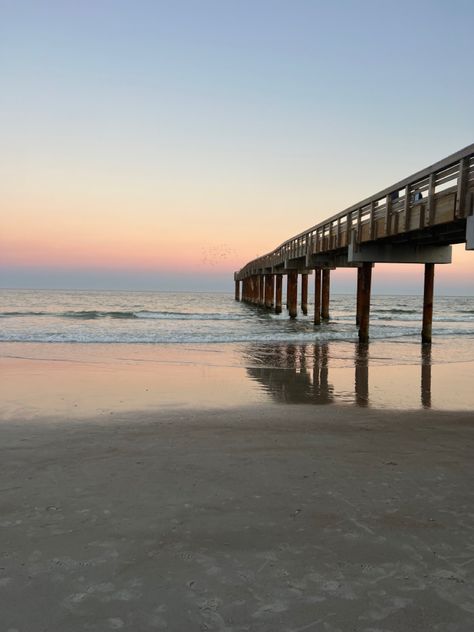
78 352
44 316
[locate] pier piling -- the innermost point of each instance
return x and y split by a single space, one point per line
428 303
292 294
304 293
364 314
359 289
269 290
278 293
261 290
237 290
325 292
317 296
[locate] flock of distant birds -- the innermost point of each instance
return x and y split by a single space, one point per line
214 255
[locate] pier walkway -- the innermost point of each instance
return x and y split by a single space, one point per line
415 220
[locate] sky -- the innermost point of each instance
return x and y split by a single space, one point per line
162 145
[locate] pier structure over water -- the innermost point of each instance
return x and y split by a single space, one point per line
415 220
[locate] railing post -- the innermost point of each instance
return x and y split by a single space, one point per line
292 293
407 208
364 313
372 226
304 293
325 294
431 203
428 303
460 210
388 215
278 293
317 296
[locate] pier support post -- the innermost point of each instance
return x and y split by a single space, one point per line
292 294
278 293
364 313
237 290
269 290
317 296
325 294
428 303
261 290
304 293
359 290
255 289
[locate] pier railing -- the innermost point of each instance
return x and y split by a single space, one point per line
439 194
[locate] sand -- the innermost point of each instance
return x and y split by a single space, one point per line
262 518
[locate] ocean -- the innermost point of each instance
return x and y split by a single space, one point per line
79 352
44 316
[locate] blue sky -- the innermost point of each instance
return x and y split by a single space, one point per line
227 125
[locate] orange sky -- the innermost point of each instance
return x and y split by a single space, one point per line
175 141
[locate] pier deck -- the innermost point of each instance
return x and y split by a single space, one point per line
416 220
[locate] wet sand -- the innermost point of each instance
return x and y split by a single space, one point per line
275 518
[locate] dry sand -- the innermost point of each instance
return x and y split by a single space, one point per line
266 518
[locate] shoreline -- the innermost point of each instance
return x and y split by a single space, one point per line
86 380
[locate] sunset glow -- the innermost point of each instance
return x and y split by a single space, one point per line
154 142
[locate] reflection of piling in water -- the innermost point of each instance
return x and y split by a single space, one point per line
299 373
286 376
361 361
426 376
323 393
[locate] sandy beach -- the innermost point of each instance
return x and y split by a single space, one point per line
258 516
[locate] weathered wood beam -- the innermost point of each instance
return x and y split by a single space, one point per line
317 296
304 293
364 313
325 293
278 293
292 294
358 295
269 290
428 303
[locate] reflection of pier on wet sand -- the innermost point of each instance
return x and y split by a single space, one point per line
301 374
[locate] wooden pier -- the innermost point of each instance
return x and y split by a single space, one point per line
415 220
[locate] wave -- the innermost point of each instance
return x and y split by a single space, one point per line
127 315
94 337
12 314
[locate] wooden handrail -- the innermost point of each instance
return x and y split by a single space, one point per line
458 169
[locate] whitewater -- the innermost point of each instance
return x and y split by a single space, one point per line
47 316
